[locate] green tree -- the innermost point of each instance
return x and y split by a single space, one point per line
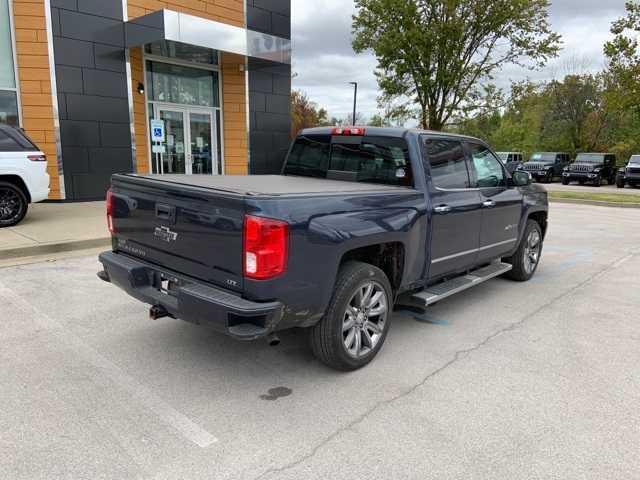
434 54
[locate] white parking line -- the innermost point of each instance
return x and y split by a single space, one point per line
166 413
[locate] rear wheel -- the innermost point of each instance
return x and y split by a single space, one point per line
526 259
13 205
357 321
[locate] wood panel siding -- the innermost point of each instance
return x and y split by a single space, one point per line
34 76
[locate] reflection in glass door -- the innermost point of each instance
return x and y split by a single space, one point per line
190 146
174 155
201 146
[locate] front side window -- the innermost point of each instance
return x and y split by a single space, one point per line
8 94
487 168
368 159
447 163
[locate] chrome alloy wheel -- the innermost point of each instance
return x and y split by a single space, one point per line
365 319
10 205
532 251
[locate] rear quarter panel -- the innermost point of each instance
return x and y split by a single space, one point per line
322 230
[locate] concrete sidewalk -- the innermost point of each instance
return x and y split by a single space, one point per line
56 227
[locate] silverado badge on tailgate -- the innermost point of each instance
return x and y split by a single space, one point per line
165 234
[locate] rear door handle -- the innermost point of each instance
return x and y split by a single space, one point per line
442 209
488 204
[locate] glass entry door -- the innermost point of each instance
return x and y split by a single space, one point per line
190 145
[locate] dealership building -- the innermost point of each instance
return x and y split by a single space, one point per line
147 86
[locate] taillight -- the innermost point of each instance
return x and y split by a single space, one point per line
37 158
348 131
265 247
110 212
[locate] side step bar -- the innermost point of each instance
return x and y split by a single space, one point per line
440 291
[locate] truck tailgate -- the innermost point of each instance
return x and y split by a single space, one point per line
193 231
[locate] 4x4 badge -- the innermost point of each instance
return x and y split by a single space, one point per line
165 234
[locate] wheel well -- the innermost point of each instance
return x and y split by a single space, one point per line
18 182
388 257
541 219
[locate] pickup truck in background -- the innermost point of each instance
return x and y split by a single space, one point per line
358 222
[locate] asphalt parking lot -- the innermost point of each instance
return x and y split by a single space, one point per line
506 381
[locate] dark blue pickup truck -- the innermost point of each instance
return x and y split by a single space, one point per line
359 222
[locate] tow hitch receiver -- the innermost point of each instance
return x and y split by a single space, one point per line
157 312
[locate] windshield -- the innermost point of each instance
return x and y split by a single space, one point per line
543 157
504 156
589 158
365 159
635 160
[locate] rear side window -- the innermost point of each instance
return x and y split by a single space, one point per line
12 140
369 159
447 162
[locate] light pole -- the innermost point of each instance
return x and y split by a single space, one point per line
355 100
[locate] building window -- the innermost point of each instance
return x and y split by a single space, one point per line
8 90
182 51
182 85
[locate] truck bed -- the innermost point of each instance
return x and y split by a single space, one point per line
267 185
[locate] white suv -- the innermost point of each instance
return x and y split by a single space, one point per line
23 175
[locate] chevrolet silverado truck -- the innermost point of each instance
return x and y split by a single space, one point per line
359 221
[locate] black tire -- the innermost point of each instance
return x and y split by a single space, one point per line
522 271
328 337
549 178
13 205
565 181
581 182
597 182
620 184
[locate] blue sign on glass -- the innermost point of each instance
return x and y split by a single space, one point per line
157 130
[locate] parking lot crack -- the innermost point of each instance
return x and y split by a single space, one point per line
458 355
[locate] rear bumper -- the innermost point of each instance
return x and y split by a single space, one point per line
190 300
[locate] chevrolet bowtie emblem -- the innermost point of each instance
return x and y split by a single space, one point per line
165 234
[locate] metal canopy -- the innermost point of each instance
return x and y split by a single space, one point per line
181 27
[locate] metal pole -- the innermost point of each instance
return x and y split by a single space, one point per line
355 101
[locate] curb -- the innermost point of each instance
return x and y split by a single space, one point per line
597 203
48 248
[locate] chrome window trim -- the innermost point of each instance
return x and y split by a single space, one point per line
475 250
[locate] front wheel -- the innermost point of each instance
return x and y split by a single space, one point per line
526 259
565 181
13 205
597 182
620 184
357 321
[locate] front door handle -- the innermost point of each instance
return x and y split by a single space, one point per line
488 204
442 209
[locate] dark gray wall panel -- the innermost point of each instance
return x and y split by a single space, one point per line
92 94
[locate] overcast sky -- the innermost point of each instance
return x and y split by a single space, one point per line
325 62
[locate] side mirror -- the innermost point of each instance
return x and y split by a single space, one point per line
521 178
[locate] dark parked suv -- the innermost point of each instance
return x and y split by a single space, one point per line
592 168
629 175
546 166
